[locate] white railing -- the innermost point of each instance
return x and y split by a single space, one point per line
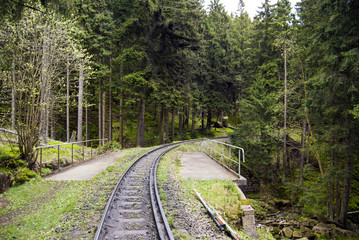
58 147
227 154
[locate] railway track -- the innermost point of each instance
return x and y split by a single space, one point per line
134 209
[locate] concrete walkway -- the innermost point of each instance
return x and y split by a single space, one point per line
198 165
89 169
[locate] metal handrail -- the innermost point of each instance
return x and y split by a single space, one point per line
72 150
213 147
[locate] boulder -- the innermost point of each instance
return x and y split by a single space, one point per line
342 232
297 234
304 238
307 232
324 229
5 182
287 232
308 222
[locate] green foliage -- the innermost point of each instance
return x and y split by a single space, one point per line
23 175
113 146
259 153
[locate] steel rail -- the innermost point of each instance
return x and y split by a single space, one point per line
108 205
162 226
99 229
163 233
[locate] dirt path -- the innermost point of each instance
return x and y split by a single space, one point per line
89 169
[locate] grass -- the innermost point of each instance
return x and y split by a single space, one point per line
44 209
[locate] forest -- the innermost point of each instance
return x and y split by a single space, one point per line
147 72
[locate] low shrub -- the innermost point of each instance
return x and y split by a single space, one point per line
22 175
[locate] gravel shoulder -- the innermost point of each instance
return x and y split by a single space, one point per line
188 218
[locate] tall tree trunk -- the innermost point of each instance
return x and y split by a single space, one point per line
52 120
162 126
13 97
186 120
331 191
100 116
337 197
221 119
67 100
120 138
193 121
166 124
348 168
141 123
302 157
180 124
110 107
80 102
45 88
209 119
285 116
103 116
173 124
86 124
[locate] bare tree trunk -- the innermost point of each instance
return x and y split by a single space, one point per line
110 106
13 97
103 116
180 123
302 158
52 120
222 117
80 102
166 124
209 119
86 124
278 153
121 122
331 191
186 120
173 124
337 197
285 116
45 88
193 121
67 100
348 168
141 123
99 116
162 130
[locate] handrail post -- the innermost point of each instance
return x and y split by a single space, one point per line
83 152
58 156
239 162
72 153
91 147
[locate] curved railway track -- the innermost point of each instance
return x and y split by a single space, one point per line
134 209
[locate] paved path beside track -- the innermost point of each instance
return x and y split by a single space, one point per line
89 169
198 165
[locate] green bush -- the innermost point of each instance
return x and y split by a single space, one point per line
45 171
8 157
113 145
23 175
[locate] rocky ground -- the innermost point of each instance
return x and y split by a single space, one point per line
284 224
